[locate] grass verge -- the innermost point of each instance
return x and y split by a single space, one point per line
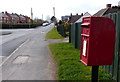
53 34
69 66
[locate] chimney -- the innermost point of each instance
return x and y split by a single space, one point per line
71 14
3 12
81 14
76 13
108 5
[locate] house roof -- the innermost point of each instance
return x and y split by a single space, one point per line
85 15
107 11
74 18
21 16
3 15
14 16
65 18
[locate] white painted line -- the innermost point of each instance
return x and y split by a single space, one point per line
13 53
2 56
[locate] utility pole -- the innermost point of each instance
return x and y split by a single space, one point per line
119 3
42 16
54 11
31 14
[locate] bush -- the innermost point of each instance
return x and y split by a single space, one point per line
66 26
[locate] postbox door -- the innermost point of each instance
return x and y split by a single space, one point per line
85 45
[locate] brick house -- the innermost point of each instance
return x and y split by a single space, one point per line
22 19
3 18
27 19
9 17
15 18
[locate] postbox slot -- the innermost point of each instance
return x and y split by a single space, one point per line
85 25
85 35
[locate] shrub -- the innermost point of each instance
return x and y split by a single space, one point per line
66 26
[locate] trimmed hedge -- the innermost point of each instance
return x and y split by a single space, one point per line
15 26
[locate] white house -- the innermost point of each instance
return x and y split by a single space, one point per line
3 17
85 15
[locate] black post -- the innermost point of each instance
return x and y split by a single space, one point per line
95 73
70 34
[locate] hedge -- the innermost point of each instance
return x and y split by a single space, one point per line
16 26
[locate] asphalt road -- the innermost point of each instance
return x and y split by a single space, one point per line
18 36
32 60
9 42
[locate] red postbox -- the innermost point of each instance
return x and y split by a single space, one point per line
98 41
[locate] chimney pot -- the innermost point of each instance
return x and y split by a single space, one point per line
71 14
81 14
108 5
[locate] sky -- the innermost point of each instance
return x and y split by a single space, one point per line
45 7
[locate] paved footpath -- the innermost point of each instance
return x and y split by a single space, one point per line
31 61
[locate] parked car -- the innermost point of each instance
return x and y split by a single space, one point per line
45 24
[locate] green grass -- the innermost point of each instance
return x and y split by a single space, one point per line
69 66
53 34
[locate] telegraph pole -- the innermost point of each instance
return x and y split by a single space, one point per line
31 14
119 3
42 16
54 11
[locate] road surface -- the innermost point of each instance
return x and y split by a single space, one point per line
12 39
16 37
32 60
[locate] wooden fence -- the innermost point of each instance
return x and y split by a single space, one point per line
75 37
114 69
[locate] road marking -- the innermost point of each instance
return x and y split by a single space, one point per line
2 56
13 52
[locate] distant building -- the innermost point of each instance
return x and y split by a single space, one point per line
65 18
13 18
22 19
107 10
9 17
3 18
27 19
85 15
74 18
